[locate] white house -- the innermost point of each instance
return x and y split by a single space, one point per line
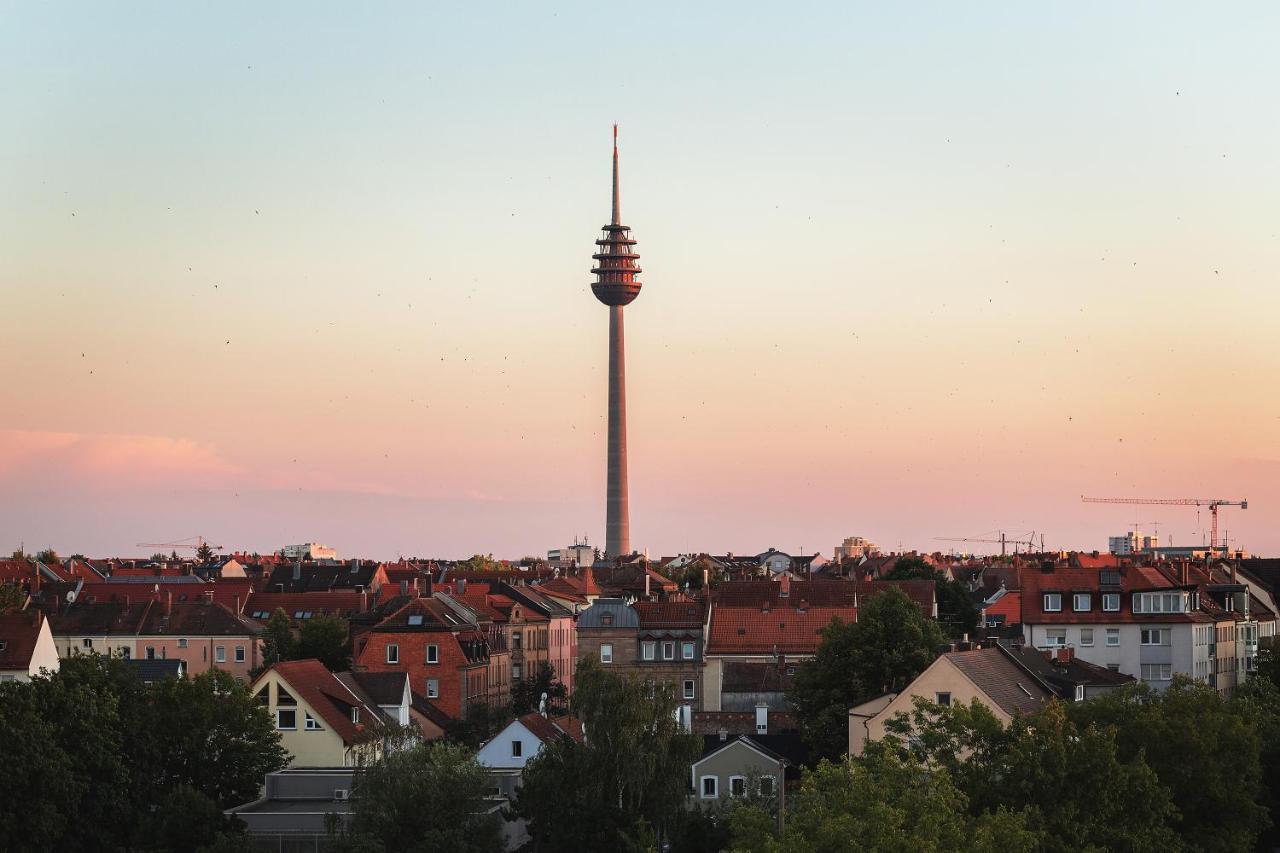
506 754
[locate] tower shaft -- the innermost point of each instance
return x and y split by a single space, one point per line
617 504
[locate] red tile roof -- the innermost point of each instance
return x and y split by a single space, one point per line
784 629
322 690
1009 606
18 635
549 730
1069 580
671 614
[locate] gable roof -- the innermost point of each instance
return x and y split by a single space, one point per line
19 633
786 630
310 681
671 614
550 730
1004 683
382 688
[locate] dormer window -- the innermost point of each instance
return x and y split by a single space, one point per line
1052 602
606 619
355 715
1081 602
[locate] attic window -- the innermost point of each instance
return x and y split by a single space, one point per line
415 619
284 698
606 619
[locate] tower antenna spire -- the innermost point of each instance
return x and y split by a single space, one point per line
617 208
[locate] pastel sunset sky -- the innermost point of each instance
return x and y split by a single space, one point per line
275 273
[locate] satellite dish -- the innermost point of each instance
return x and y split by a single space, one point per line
71 596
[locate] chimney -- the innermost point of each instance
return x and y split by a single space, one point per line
1065 655
364 601
462 585
35 581
1184 571
646 584
706 581
168 605
297 569
784 588
762 719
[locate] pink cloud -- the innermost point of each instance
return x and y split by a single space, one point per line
110 461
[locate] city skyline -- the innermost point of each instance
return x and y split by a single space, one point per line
925 273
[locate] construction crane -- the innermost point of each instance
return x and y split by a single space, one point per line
200 542
1003 541
1211 503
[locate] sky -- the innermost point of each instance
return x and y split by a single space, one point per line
296 272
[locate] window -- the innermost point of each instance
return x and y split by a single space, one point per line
689 687
283 697
517 672
1081 602
239 654
1052 602
737 786
87 643
415 620
287 719
310 723
393 653
220 654
125 652
1157 671
355 715
433 654
1158 602
686 650
182 642
1111 602
517 640
1155 636
1055 637
433 688
264 695
606 620
648 650
1079 692
710 787
151 652
606 653
668 651
1113 636
517 749
766 786
1086 636
943 699
1114 667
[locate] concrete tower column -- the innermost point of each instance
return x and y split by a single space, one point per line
617 510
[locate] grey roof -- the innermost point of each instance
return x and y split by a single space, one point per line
1004 683
383 688
623 615
1062 676
149 670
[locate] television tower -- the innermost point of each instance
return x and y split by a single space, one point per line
616 286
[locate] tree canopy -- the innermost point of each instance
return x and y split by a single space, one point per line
956 610
422 800
324 638
889 645
629 777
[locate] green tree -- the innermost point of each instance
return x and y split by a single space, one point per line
213 735
422 800
1076 788
482 721
12 597
882 802
159 557
1257 702
889 645
204 553
42 790
277 639
49 557
325 638
479 563
956 609
630 772
526 694
1202 750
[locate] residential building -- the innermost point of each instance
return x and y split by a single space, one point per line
854 546
1007 679
738 766
1150 622
204 635
327 719
506 753
299 809
27 646
308 551
299 576
450 658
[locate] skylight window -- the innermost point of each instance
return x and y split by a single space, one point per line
415 619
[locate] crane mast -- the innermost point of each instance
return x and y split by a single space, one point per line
1212 503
